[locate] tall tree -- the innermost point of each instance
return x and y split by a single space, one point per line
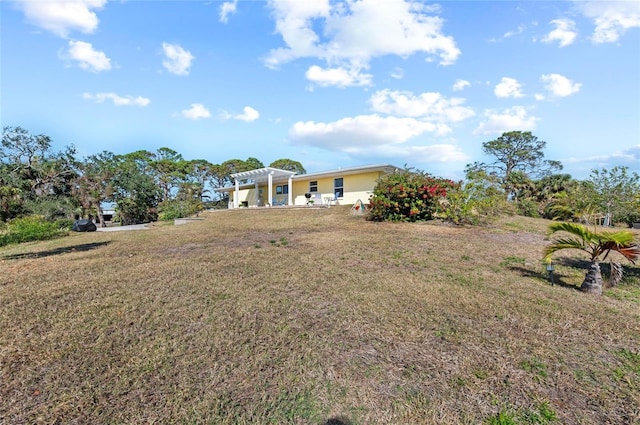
252 163
135 191
515 151
232 166
170 170
34 173
95 182
289 165
199 171
616 192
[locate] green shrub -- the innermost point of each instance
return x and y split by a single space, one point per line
408 196
173 209
129 211
528 207
472 203
31 228
52 208
629 216
64 223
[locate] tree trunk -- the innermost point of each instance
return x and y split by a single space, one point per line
593 280
101 217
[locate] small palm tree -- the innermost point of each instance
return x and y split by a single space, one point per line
598 245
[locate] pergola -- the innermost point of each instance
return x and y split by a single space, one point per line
263 175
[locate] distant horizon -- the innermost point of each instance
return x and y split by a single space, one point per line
329 84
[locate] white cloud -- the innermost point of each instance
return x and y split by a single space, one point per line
539 96
227 8
354 134
559 85
372 136
62 17
177 60
427 106
629 156
294 23
512 119
397 73
565 32
196 112
460 84
612 18
339 77
355 32
117 99
519 30
87 57
441 152
248 115
508 87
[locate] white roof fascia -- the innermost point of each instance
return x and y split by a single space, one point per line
232 188
387 168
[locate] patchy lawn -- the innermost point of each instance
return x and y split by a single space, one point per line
312 316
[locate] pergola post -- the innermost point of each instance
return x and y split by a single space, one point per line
270 184
257 195
236 196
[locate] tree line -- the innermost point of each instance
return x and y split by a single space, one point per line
537 188
143 185
518 180
146 186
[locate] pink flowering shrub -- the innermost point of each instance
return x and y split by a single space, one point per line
408 196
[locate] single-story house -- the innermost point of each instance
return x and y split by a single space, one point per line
274 187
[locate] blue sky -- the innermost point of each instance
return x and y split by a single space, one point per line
328 83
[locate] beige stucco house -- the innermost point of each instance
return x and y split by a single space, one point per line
274 187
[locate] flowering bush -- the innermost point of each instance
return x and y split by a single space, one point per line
408 196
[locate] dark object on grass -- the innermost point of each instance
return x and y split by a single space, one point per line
83 226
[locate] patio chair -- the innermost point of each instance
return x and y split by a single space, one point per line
329 200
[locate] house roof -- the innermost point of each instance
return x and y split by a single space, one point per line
386 168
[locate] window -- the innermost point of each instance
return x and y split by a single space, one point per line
313 186
282 190
338 187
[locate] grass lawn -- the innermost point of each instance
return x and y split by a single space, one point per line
312 316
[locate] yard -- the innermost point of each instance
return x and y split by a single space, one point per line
312 316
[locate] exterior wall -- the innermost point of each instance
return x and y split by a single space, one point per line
248 195
356 186
243 196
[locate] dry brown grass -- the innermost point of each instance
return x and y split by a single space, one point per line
311 316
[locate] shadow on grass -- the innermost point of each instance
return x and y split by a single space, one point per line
631 273
557 280
337 420
58 251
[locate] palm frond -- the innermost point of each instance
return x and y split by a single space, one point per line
616 274
621 238
631 253
563 243
575 229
